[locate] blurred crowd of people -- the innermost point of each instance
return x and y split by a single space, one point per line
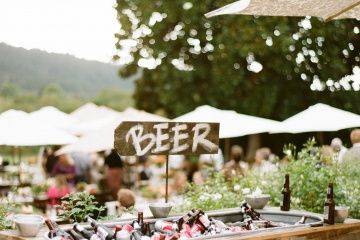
148 173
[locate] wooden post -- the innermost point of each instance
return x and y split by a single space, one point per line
227 149
167 180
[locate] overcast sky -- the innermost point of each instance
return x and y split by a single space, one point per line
84 28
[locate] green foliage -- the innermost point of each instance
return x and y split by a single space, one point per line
114 98
12 96
34 69
4 212
309 178
206 61
78 205
216 193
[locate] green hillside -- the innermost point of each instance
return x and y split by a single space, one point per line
35 69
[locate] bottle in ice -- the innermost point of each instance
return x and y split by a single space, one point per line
329 206
247 209
286 192
101 230
76 236
55 231
84 232
123 233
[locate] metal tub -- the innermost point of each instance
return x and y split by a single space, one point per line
231 216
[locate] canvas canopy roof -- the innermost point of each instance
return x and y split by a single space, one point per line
319 118
52 116
17 128
325 9
103 138
232 124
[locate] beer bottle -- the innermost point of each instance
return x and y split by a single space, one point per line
329 206
184 219
101 230
302 220
87 234
75 235
247 209
203 220
286 192
140 218
145 228
56 231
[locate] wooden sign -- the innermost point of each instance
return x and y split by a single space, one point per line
166 138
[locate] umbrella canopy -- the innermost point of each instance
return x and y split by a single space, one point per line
54 117
319 118
232 124
103 138
92 118
325 9
132 114
17 128
90 112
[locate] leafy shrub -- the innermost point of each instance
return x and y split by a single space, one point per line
78 206
309 178
4 211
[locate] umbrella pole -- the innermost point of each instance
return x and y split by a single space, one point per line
167 180
227 149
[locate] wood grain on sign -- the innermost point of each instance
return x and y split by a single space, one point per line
166 138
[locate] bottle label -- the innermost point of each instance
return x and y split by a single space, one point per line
326 212
102 233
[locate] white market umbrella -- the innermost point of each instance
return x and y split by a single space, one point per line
54 117
103 139
17 128
232 124
325 9
90 112
92 118
319 118
132 114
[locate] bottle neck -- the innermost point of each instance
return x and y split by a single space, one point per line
49 224
330 193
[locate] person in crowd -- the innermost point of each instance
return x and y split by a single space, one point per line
114 172
353 154
50 159
145 172
206 165
126 199
97 168
338 148
236 166
180 182
262 162
58 189
327 155
82 163
217 160
64 166
176 161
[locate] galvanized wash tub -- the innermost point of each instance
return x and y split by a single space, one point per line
231 216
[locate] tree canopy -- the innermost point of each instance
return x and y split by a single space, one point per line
266 66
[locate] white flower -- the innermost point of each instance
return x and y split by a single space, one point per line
237 187
246 191
217 196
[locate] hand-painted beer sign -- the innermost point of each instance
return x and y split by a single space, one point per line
166 138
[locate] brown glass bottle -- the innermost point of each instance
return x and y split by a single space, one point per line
329 206
286 192
55 231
